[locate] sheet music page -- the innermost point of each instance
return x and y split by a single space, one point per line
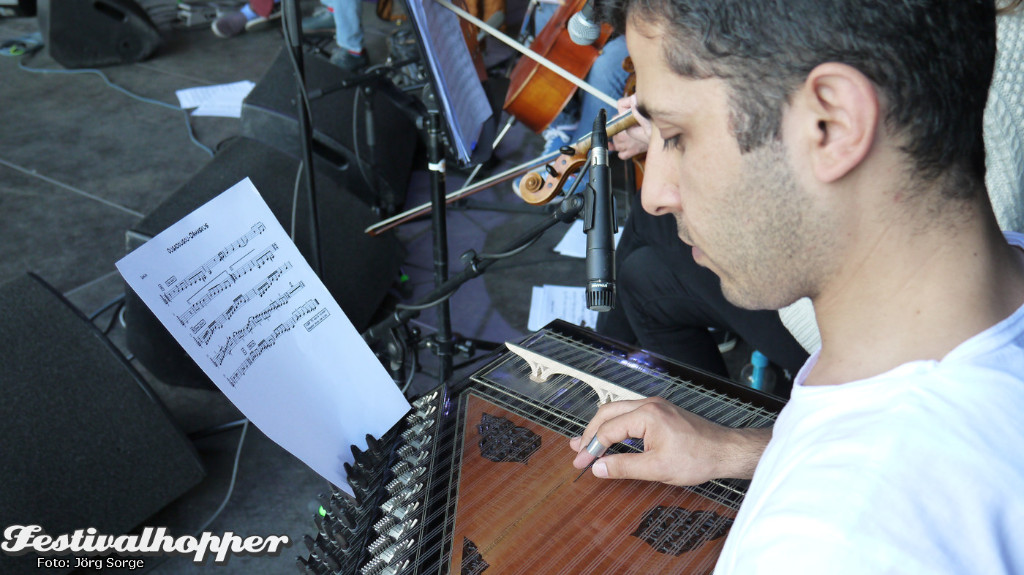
462 97
569 303
235 292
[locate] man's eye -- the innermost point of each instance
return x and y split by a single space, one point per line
671 143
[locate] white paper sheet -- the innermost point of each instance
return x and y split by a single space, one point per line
220 100
235 292
550 302
574 243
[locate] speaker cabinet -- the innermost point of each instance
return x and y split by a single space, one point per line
92 33
86 442
358 269
363 140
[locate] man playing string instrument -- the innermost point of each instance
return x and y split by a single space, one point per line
834 150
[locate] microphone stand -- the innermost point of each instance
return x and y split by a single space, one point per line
435 158
293 36
475 265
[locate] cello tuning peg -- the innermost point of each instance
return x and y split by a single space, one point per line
567 151
553 172
531 184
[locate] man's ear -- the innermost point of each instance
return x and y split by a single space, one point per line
839 119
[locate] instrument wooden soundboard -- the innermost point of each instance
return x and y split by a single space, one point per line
478 477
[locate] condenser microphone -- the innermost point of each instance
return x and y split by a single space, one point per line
584 28
599 223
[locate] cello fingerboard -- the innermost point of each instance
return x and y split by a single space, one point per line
478 478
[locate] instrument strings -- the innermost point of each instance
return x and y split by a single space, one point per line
721 409
565 393
564 404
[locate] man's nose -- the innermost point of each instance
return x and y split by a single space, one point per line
659 193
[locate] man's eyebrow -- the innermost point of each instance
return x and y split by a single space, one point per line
642 110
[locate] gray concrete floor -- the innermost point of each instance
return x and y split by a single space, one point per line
81 163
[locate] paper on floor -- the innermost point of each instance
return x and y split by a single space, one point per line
550 302
220 100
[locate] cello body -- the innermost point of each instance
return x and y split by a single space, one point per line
536 95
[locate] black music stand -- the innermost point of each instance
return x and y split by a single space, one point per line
292 27
463 118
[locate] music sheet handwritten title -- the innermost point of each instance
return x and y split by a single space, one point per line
235 292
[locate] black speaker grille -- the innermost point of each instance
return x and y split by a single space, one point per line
86 443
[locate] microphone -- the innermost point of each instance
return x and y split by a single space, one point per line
599 223
583 26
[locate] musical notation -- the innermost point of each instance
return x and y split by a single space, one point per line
253 321
269 341
231 278
236 304
203 272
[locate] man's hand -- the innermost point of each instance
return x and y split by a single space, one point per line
633 141
680 448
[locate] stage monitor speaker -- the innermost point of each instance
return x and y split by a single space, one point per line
358 269
86 441
363 140
85 34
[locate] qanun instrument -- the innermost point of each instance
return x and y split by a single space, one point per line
478 477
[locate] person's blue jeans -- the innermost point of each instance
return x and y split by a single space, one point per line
348 24
607 76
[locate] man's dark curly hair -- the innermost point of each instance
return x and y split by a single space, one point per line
931 61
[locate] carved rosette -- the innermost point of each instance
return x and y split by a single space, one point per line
674 530
472 562
502 440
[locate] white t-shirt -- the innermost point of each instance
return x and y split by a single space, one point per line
919 470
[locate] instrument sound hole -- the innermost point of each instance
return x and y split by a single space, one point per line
502 440
472 562
674 530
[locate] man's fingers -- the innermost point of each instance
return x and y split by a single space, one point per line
615 422
604 413
574 443
627 466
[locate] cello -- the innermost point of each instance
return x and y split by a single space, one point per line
536 189
536 94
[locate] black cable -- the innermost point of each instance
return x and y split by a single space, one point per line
118 299
113 317
423 306
510 253
566 211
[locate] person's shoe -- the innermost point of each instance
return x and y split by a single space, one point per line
349 62
321 21
557 136
260 23
229 25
